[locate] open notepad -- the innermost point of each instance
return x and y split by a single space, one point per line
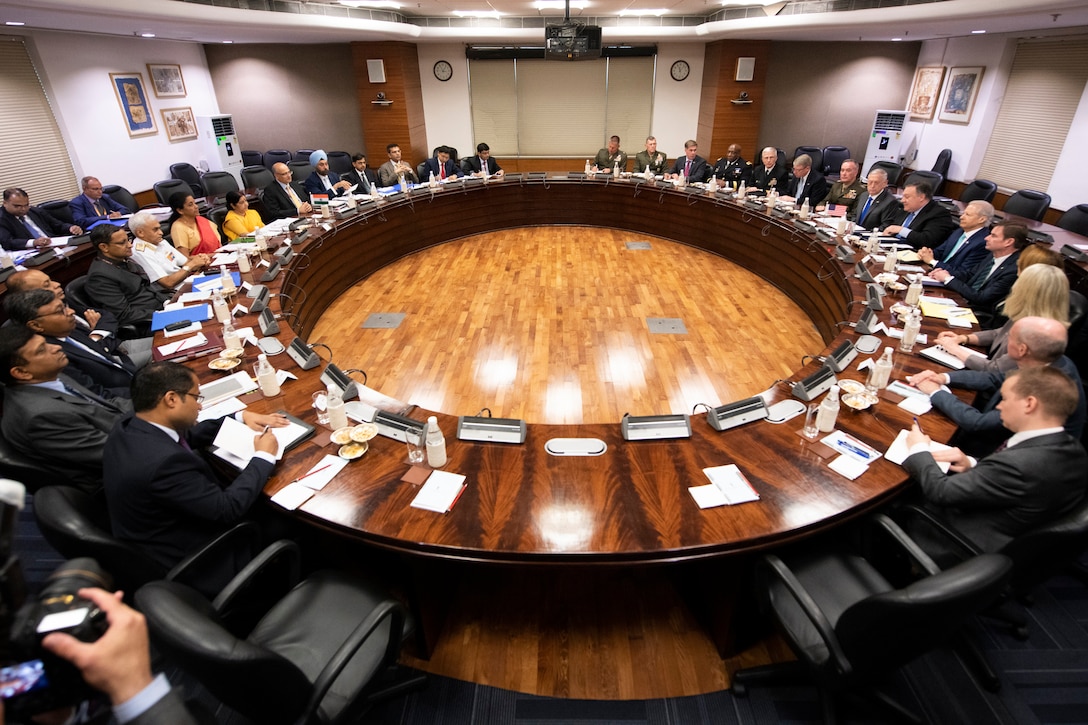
727 487
898 450
440 492
234 441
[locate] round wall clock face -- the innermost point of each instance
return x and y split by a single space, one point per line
443 71
680 70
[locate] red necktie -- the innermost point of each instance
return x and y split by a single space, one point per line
442 172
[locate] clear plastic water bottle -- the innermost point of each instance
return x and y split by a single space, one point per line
829 411
266 377
436 444
219 306
334 406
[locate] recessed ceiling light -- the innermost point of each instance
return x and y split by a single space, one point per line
656 11
376 4
13 22
147 35
227 42
894 40
977 32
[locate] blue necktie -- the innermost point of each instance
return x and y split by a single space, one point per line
909 219
865 211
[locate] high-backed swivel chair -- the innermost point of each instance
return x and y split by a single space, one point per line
1029 204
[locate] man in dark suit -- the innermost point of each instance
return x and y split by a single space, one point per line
109 368
805 185
119 664
162 495
441 165
691 166
876 207
770 174
360 176
48 417
120 285
965 247
993 277
1037 477
482 164
323 181
93 205
99 325
284 197
923 222
1033 342
25 227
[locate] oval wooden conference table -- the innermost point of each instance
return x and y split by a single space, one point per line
630 505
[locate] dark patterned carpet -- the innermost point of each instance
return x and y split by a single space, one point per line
1044 680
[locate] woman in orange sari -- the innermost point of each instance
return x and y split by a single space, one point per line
190 232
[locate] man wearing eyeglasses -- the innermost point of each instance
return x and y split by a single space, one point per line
285 198
118 284
54 421
162 495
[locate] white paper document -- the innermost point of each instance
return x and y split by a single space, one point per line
440 492
897 451
234 442
322 472
187 344
939 354
727 487
292 496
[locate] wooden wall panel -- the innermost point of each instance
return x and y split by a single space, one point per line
402 122
720 121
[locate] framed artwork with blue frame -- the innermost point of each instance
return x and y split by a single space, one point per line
132 96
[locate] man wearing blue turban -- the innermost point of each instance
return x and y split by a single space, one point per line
323 181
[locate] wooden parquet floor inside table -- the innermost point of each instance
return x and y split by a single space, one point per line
549 324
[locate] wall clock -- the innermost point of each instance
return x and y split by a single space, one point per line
443 71
680 70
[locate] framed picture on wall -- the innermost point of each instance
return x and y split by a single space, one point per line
179 123
924 94
129 88
167 80
960 94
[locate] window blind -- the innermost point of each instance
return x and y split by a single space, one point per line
32 151
1045 85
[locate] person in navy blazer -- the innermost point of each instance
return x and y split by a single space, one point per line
923 222
315 182
161 494
993 278
99 323
94 206
698 168
770 174
360 176
108 371
815 186
14 232
975 225
441 160
884 207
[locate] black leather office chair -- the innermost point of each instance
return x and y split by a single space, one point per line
420 171
58 208
76 523
1029 204
16 466
833 158
165 189
979 190
944 159
850 627
218 183
894 171
316 656
1076 220
257 177
300 169
122 196
1037 556
815 152
935 180
252 158
187 172
303 155
276 156
339 162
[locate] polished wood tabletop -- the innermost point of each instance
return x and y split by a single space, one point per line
629 505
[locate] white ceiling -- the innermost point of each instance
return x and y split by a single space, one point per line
208 24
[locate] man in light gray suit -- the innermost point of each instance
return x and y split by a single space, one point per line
1037 476
53 420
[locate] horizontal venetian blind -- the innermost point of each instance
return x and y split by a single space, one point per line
561 107
495 106
630 102
32 151
1045 86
